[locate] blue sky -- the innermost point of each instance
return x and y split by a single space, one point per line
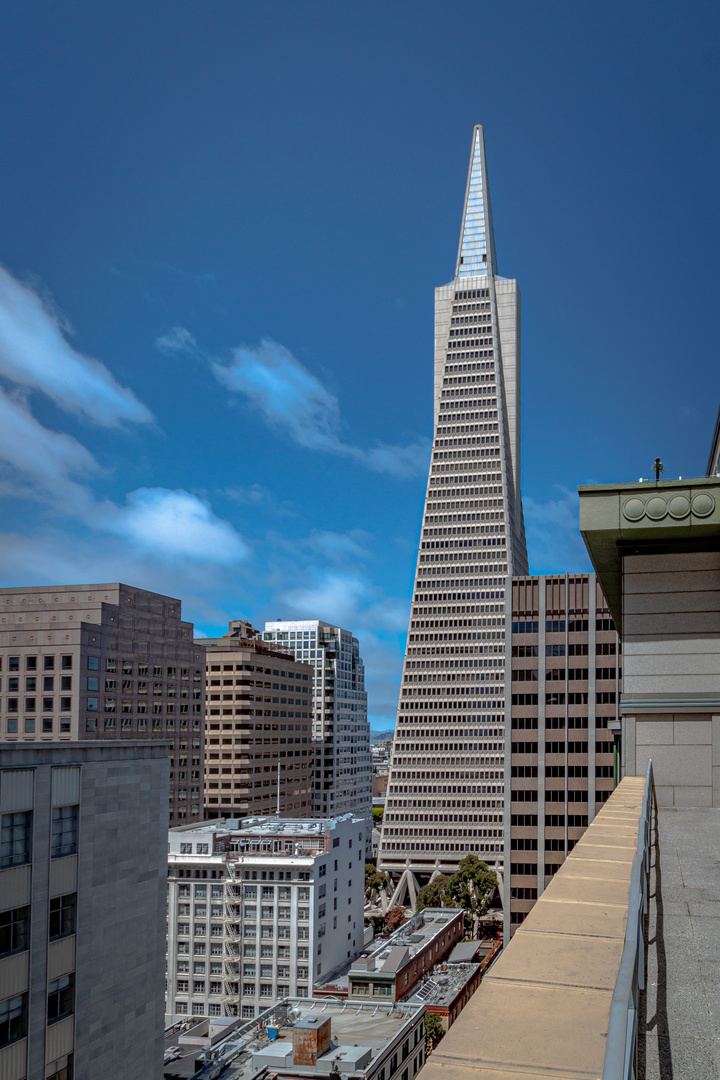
221 229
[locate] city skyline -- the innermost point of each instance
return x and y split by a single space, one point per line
246 269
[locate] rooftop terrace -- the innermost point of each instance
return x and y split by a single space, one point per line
355 1026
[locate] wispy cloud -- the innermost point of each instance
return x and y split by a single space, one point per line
553 537
35 353
44 462
178 339
341 547
292 399
53 467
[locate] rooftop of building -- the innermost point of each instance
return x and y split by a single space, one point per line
241 634
445 983
387 955
269 826
84 592
359 1033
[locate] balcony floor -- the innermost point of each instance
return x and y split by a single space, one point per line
679 1022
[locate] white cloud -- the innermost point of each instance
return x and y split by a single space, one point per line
178 524
170 523
45 458
35 353
334 597
290 398
553 537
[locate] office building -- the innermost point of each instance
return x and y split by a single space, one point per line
258 908
343 763
562 722
82 919
105 662
302 1038
445 794
259 757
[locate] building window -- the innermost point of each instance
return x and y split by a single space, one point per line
63 1072
13 1019
93 663
15 834
62 915
14 930
64 831
61 998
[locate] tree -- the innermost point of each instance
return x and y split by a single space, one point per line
433 895
434 1032
374 881
472 887
378 812
394 919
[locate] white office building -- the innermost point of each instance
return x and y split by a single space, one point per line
445 792
343 761
258 908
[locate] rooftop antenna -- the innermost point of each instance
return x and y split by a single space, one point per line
657 468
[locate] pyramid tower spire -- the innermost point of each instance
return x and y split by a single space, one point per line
476 252
446 790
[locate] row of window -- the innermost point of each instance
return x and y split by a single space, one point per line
15 924
31 683
602 697
602 648
16 835
31 663
558 674
14 1010
558 626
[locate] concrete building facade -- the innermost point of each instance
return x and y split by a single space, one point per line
445 794
105 662
82 891
260 755
656 550
562 720
343 762
259 908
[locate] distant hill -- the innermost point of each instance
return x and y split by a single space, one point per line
381 736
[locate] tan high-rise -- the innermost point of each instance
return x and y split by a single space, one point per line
259 754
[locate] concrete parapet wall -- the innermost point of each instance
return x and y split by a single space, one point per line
544 1008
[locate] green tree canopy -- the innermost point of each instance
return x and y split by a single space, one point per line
472 888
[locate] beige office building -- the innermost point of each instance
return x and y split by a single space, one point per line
259 754
105 662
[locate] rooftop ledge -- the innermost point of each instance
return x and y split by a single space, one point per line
661 516
543 1010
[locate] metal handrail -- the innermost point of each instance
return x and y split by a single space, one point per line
621 1048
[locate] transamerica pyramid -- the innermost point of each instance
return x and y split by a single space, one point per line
445 793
